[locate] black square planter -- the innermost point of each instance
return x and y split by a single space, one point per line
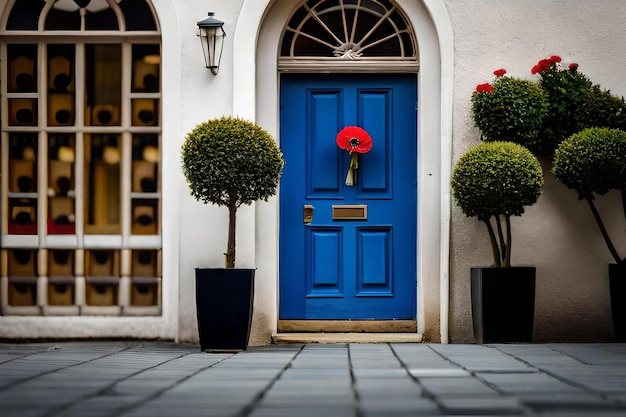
503 304
224 300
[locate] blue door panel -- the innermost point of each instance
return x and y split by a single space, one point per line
376 179
372 309
340 268
323 118
324 252
374 259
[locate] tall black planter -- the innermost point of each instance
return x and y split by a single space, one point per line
617 281
503 304
224 299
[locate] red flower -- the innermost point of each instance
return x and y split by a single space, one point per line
542 66
545 64
499 72
573 66
484 88
354 139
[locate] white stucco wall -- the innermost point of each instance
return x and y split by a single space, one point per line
558 234
203 228
254 67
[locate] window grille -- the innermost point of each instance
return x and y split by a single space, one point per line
80 158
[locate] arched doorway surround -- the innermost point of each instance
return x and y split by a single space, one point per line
255 69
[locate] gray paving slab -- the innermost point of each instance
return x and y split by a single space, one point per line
137 378
305 410
387 389
482 358
490 405
519 383
597 354
461 386
571 401
398 407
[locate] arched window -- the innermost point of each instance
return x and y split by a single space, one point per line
80 158
348 34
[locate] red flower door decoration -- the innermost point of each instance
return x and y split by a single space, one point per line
355 140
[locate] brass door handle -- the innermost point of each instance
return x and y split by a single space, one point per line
308 213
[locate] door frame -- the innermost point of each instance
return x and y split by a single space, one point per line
255 96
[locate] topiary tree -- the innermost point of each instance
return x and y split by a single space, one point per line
497 180
229 162
509 109
591 162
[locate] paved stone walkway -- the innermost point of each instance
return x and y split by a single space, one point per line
155 379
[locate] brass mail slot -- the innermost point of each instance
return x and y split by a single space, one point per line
351 212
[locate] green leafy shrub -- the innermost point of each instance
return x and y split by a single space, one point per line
229 162
592 162
574 104
600 108
565 91
497 180
510 109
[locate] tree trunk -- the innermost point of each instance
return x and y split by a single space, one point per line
623 191
494 243
232 221
507 248
605 234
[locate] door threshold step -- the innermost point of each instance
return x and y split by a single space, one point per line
347 338
347 326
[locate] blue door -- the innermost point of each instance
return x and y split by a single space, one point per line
348 252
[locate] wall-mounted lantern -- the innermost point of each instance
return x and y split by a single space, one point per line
211 33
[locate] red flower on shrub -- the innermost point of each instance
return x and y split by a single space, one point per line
484 88
499 72
544 64
573 66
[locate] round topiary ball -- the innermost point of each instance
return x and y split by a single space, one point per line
513 111
592 161
495 178
231 161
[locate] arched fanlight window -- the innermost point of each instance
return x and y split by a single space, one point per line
348 34
80 158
